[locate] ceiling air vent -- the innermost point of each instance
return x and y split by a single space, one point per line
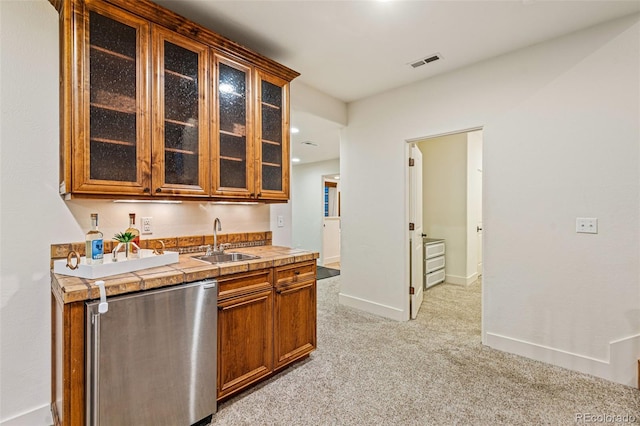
424 61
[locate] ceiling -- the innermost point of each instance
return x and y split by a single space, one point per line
354 49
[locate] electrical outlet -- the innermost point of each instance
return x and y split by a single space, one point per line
587 225
146 225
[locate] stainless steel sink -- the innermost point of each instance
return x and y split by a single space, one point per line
225 257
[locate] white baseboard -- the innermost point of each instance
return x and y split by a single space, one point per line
621 367
373 307
38 417
458 280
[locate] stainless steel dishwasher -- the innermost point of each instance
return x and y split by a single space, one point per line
151 357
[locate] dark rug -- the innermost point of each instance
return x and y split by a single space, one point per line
323 272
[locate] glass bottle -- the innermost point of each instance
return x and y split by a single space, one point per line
135 231
94 247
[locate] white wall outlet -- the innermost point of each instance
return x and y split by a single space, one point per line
280 221
147 227
587 225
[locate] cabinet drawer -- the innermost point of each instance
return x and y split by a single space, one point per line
433 264
433 250
295 273
236 285
434 278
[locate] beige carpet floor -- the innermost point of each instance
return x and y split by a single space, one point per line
369 370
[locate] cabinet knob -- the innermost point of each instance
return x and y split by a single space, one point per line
252 195
147 190
158 189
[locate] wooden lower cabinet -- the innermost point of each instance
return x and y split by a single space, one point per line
245 331
264 324
67 363
295 313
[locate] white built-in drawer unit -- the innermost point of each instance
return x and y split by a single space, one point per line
434 264
434 278
433 249
434 261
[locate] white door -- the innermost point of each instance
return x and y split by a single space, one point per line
479 229
415 235
331 240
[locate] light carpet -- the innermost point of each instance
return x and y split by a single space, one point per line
369 370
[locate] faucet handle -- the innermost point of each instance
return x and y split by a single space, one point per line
223 247
209 252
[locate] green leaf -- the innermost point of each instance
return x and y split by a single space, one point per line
124 237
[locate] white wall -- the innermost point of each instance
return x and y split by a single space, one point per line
307 187
33 216
444 199
305 98
561 137
281 235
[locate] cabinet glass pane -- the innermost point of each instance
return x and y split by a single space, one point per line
271 137
271 177
272 154
232 121
112 94
181 109
233 161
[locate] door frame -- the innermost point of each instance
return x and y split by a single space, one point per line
331 177
407 239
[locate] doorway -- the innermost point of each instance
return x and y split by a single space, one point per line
331 225
452 199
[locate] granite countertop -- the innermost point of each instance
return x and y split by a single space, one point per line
73 289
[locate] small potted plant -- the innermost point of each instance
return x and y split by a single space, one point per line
125 239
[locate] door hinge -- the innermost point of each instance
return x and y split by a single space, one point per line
411 162
412 290
412 226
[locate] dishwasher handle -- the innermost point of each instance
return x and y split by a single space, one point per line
94 373
103 307
94 379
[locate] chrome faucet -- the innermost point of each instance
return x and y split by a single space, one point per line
216 249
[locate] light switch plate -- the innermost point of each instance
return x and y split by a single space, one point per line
280 221
587 225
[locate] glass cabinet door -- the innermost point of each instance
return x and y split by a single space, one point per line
273 137
233 160
111 153
181 144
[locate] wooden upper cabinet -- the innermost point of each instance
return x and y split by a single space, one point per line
233 159
155 106
272 140
111 153
180 148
